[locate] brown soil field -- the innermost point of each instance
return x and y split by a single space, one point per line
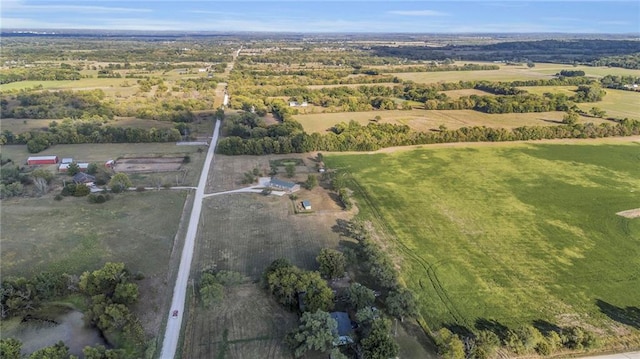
148 164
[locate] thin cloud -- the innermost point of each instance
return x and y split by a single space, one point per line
418 13
18 6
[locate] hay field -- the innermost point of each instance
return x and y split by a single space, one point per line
426 120
518 234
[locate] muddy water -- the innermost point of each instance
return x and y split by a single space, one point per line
68 327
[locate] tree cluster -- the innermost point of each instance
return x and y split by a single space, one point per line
38 74
297 289
58 104
111 293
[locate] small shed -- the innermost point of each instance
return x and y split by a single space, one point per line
42 160
110 164
306 204
66 160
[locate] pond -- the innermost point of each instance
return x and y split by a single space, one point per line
68 326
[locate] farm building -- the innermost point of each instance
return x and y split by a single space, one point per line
66 160
82 177
42 160
110 164
297 104
306 204
344 328
65 166
284 185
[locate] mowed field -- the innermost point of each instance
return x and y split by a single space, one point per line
617 103
426 120
517 234
73 235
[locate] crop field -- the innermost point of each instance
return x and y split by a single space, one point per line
187 175
516 234
426 120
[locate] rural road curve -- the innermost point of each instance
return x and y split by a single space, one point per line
174 324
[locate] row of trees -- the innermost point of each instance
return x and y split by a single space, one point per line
87 131
11 348
355 137
38 74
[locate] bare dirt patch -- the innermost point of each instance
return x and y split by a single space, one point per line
149 164
632 213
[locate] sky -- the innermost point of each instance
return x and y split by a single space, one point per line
472 16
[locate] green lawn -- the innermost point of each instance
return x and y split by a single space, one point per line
514 233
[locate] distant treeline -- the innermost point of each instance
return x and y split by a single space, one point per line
612 52
38 74
248 135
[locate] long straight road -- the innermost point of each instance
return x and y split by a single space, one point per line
172 331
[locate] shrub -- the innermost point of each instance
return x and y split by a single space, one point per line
140 189
81 190
58 197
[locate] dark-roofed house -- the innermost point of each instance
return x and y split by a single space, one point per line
82 177
284 185
344 328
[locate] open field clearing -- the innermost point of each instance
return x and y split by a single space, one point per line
187 172
246 324
618 103
456 94
73 235
82 84
595 71
516 234
507 74
426 120
385 84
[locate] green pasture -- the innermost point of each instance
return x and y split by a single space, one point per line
73 235
515 234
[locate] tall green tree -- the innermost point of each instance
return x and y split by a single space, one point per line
73 169
379 344
401 303
360 296
449 345
56 351
120 182
332 263
10 348
317 331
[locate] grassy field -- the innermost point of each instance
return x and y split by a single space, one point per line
514 234
511 73
426 120
73 235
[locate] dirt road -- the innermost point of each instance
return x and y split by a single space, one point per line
630 355
174 322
